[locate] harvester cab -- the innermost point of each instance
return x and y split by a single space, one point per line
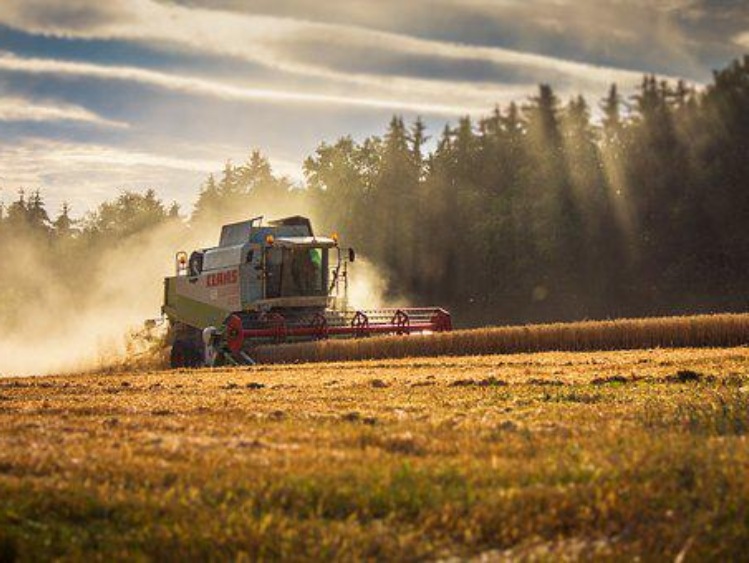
269 284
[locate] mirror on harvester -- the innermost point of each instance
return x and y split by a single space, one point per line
351 255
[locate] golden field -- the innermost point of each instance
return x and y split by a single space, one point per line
714 331
607 455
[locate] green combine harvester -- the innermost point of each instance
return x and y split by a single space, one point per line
271 284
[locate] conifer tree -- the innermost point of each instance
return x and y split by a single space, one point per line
64 225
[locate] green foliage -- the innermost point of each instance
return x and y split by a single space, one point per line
541 212
248 188
129 214
536 212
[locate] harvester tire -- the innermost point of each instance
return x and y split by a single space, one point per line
185 354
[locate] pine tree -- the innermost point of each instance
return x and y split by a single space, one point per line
255 173
265 191
612 118
173 212
18 211
64 226
393 200
207 204
229 184
37 213
417 137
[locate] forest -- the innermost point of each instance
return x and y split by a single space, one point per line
539 211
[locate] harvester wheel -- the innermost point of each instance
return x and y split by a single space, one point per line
185 354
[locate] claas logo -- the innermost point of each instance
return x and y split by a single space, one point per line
222 278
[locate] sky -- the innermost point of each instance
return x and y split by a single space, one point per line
98 96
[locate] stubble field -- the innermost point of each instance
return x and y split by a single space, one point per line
607 455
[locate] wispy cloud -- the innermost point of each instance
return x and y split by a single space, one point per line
681 37
293 46
29 162
22 109
481 98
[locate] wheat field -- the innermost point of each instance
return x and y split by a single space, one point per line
713 331
550 456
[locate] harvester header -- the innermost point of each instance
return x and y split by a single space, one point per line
270 284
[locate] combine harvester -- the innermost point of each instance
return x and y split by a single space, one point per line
270 284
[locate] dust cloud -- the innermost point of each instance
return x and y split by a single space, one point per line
89 314
90 318
369 289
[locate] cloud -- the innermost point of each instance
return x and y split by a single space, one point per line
203 87
293 46
21 109
85 174
65 17
28 162
742 39
663 36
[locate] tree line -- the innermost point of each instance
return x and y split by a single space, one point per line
543 210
